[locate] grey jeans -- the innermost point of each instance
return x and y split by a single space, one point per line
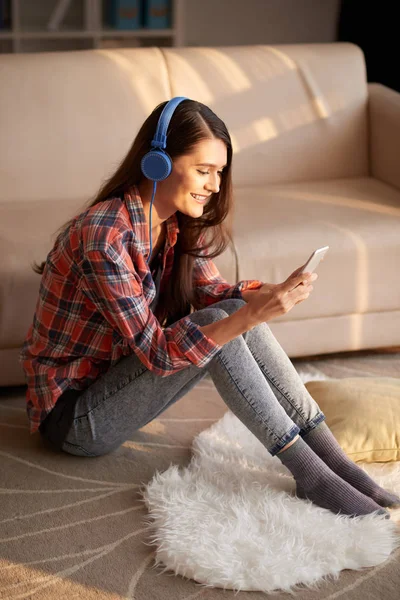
252 373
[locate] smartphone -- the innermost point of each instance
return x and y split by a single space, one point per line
314 260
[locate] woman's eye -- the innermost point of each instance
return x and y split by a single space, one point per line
220 173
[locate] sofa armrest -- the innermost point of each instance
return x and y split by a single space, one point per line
384 133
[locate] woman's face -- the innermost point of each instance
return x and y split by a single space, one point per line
193 180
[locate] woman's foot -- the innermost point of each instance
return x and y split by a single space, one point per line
300 493
323 442
316 482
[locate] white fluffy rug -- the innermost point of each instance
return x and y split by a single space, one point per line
230 518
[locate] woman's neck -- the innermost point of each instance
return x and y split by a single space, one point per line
158 239
145 190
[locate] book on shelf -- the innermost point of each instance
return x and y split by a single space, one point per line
156 14
137 14
124 14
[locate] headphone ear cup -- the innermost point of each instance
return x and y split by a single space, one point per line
156 165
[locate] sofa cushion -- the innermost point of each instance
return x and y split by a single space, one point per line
69 118
363 414
277 227
295 112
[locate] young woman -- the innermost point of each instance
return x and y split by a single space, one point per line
118 335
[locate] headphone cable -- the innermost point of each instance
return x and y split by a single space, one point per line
151 204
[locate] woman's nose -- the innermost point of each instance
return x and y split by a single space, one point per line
213 184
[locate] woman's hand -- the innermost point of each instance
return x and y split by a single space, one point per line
272 300
247 294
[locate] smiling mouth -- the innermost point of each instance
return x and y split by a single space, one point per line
199 198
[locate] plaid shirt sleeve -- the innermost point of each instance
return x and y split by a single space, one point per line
112 283
210 286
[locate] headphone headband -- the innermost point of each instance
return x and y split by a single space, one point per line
160 137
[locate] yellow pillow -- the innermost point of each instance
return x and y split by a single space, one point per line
363 414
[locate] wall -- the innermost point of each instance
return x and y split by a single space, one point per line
238 22
222 22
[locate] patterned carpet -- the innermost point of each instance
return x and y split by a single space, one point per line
73 527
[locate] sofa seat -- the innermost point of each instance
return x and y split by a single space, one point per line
287 222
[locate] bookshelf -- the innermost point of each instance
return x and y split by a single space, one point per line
82 28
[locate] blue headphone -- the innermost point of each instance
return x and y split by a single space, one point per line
156 165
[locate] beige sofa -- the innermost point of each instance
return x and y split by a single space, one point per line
317 162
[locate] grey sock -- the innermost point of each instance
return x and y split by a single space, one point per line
322 486
324 443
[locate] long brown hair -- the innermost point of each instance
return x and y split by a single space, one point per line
191 122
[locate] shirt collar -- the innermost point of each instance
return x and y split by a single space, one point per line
135 209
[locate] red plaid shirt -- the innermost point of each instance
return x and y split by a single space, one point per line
93 305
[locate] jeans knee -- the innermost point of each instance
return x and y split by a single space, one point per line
231 305
206 316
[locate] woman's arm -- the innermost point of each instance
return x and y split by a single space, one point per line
113 284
